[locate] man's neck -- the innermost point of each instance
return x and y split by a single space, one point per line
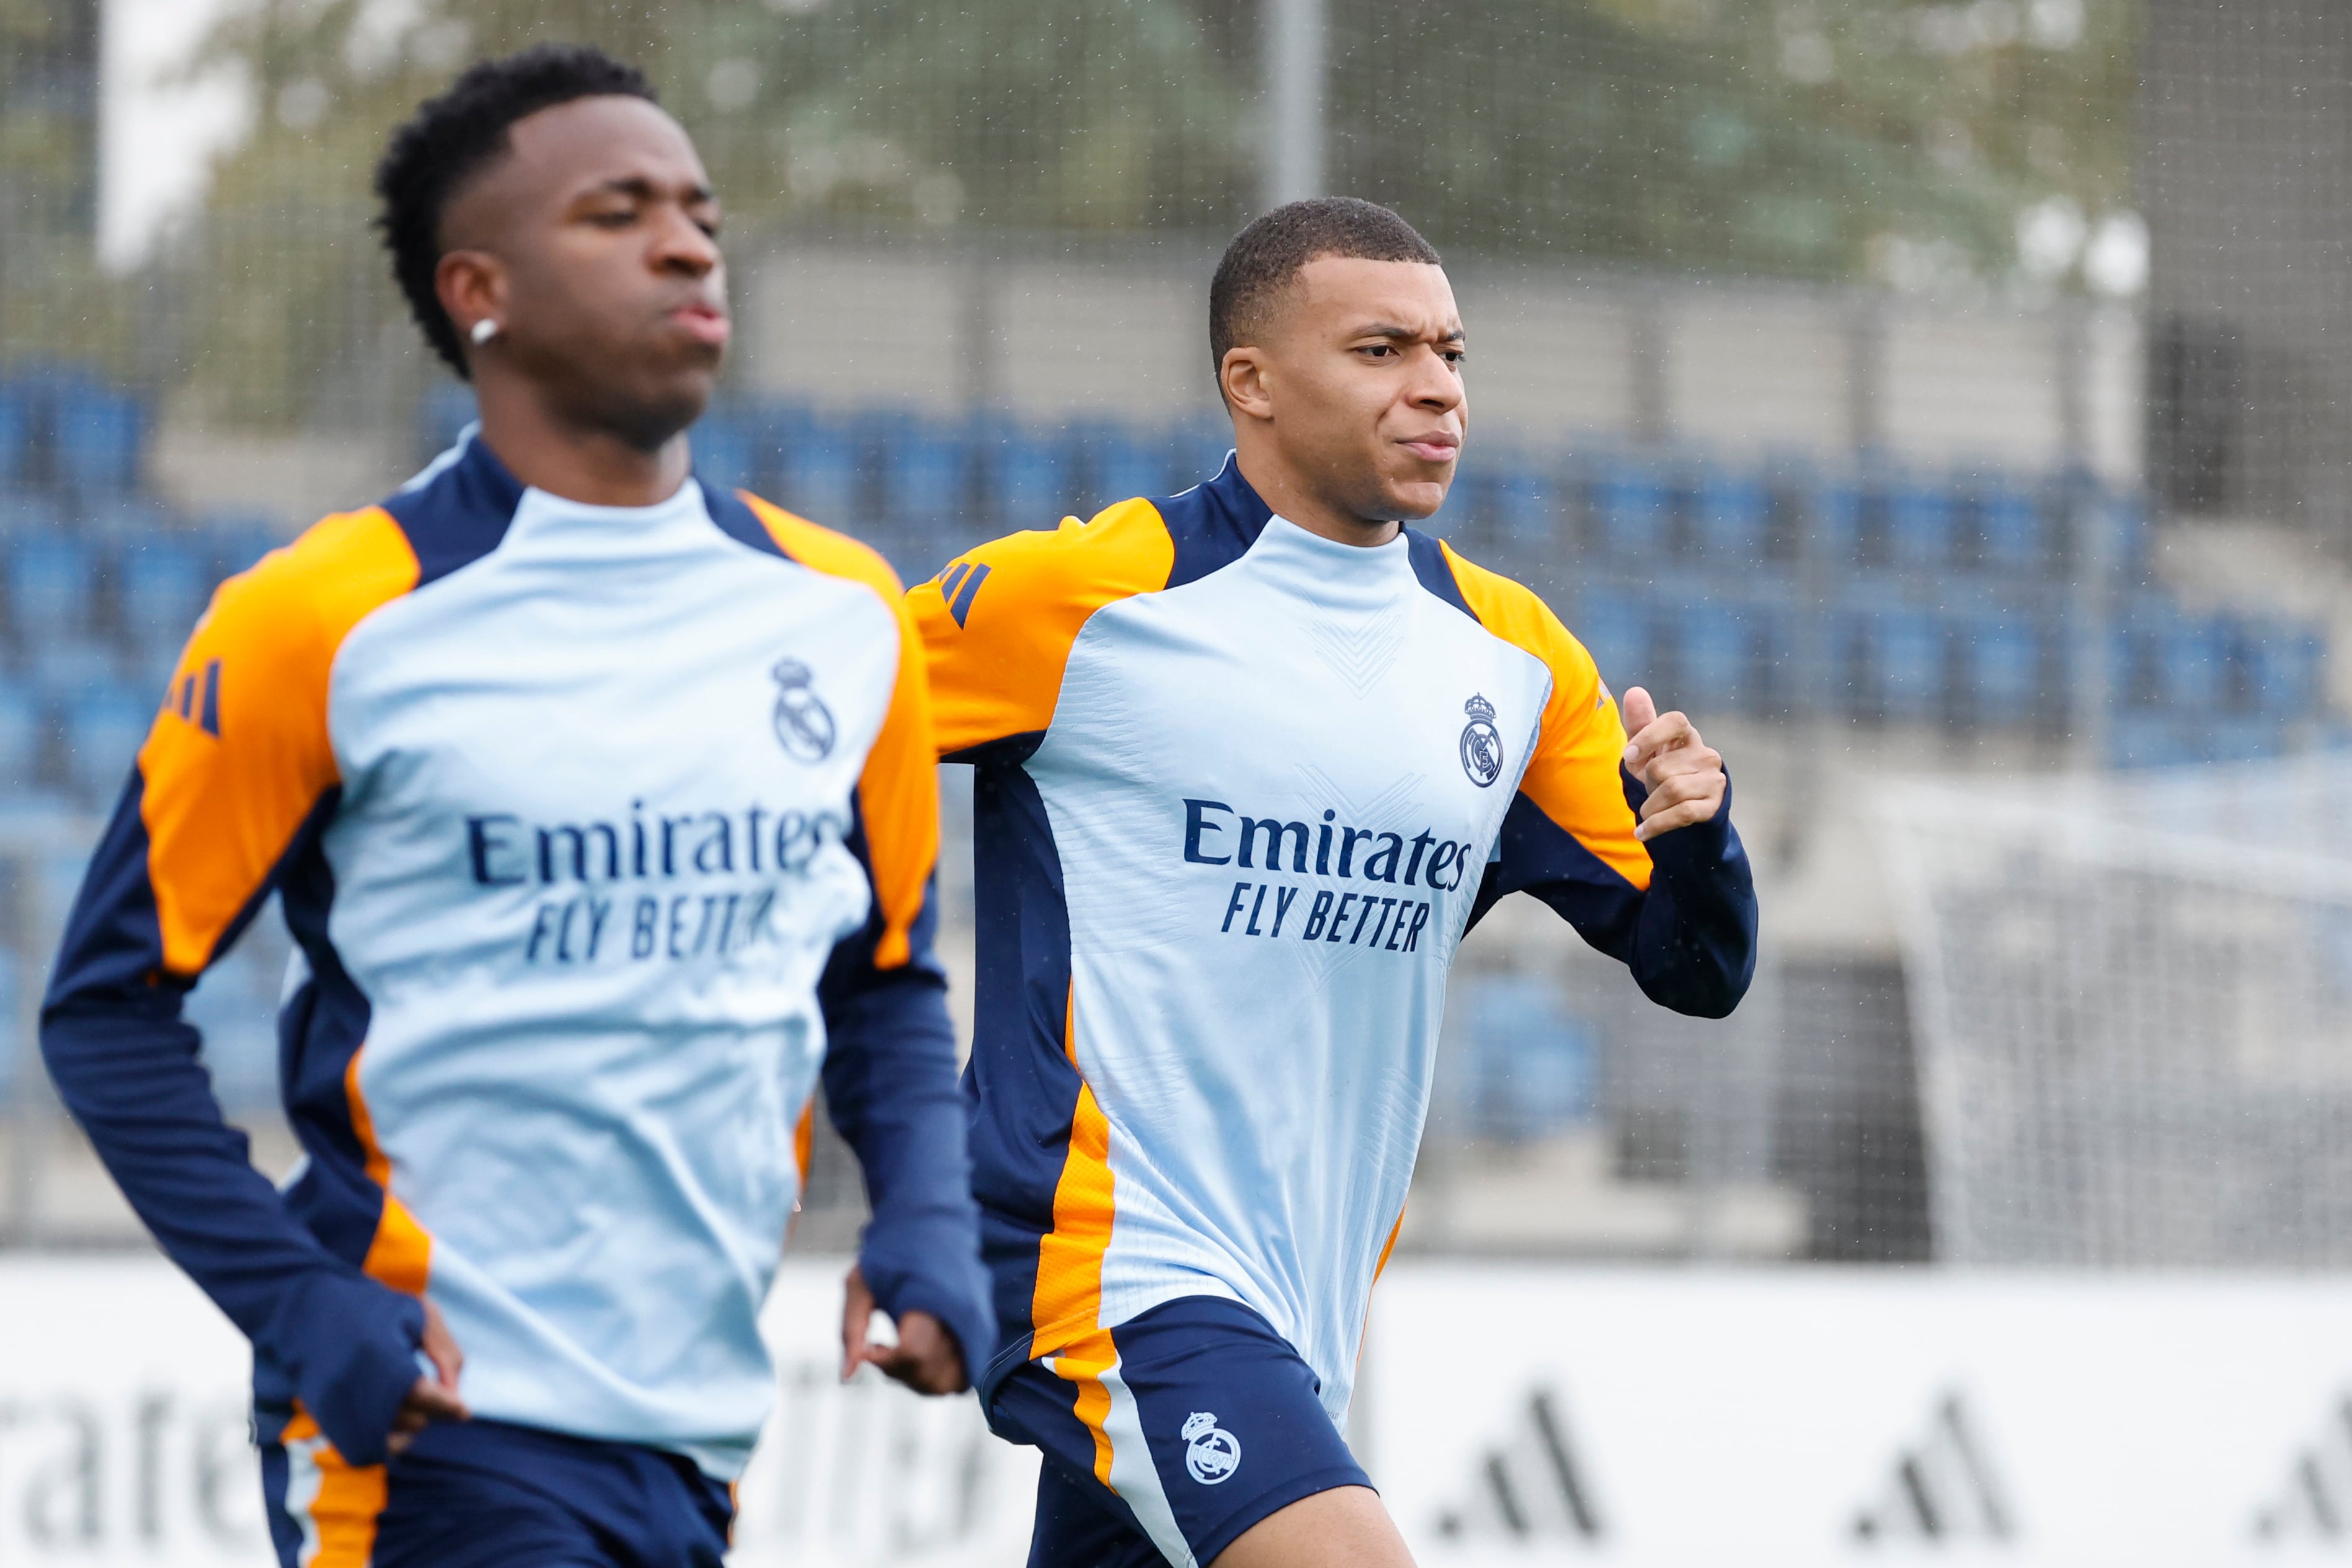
594 467
1279 485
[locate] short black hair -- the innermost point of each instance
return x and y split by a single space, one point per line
453 137
1266 257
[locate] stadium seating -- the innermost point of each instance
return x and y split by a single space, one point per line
1880 593
16 439
23 735
52 585
96 436
1131 463
1531 1068
104 728
161 584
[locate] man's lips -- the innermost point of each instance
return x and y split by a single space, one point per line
1434 448
704 323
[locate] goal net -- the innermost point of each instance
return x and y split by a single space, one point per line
2132 1003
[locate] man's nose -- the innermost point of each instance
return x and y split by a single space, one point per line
683 247
1436 385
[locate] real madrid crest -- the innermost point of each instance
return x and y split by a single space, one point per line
1482 744
1212 1454
804 727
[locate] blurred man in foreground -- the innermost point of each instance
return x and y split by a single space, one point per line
1250 760
602 811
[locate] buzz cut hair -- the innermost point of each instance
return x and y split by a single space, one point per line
1266 257
453 138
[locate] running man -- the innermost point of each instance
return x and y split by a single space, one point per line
1249 760
601 808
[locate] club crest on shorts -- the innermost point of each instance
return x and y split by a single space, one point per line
804 727
1211 1453
1482 744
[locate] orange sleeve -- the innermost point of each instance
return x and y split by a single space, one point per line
1573 775
239 755
898 792
998 623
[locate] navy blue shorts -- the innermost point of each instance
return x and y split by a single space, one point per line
472 1494
1168 1436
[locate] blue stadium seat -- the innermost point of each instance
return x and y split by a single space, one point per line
925 483
233 1011
238 541
1732 514
2011 536
1856 519
2285 666
1127 463
1921 530
1891 663
724 459
16 435
445 409
52 581
1029 480
24 729
2193 664
2003 657
104 728
1532 1066
16 1053
823 473
99 432
1614 627
161 584
1630 506
29 512
2148 740
1200 447
1714 657
2240 739
1524 509
64 669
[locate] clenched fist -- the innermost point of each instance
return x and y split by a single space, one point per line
1684 774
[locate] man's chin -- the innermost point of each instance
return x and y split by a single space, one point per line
661 411
1417 501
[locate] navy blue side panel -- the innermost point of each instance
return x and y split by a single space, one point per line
128 1065
890 1086
320 1029
459 516
1021 1088
738 521
1008 751
1690 940
1213 525
1435 573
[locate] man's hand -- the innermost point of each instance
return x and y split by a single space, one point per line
1684 774
925 1358
434 1398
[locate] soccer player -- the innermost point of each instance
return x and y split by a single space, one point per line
601 808
1249 761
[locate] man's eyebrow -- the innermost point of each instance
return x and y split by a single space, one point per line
1391 330
644 187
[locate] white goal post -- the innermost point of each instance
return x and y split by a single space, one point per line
2132 1004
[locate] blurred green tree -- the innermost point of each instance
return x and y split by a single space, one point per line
1841 139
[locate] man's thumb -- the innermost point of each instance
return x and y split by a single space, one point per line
1638 710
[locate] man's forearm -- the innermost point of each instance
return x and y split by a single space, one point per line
890 1084
1694 945
130 1075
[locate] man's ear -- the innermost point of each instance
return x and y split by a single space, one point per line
472 286
1245 378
